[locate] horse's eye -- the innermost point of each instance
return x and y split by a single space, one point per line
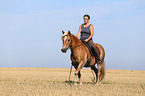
68 39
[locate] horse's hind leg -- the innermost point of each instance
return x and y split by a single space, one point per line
95 70
99 73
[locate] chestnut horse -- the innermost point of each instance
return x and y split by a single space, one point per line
80 55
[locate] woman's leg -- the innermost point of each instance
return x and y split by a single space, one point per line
96 50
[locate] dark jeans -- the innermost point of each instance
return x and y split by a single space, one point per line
96 50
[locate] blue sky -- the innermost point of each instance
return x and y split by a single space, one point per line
30 31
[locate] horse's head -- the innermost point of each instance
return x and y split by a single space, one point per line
66 38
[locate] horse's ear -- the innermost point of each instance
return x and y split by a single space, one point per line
62 32
68 32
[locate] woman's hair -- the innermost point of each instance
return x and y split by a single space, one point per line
86 15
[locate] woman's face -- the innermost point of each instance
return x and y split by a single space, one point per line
86 19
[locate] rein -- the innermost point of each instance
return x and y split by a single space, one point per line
76 46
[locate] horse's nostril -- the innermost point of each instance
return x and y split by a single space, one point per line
64 50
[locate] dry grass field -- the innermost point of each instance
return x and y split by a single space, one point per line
51 82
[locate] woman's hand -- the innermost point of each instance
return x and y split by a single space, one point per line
86 40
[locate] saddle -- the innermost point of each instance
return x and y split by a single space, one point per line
92 52
91 49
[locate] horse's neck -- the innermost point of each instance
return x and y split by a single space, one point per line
75 41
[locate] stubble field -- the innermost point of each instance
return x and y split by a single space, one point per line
51 82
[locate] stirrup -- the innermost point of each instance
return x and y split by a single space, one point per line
99 61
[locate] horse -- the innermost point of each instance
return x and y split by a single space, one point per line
80 55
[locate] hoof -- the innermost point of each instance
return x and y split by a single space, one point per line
93 81
75 84
98 83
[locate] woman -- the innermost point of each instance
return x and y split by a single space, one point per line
86 31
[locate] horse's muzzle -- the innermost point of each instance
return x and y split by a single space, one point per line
64 50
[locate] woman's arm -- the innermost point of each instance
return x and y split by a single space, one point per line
92 33
79 32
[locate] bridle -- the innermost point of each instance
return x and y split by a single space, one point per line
70 46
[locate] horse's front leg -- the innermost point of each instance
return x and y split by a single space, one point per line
79 75
75 79
80 66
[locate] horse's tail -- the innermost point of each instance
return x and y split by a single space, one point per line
102 70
